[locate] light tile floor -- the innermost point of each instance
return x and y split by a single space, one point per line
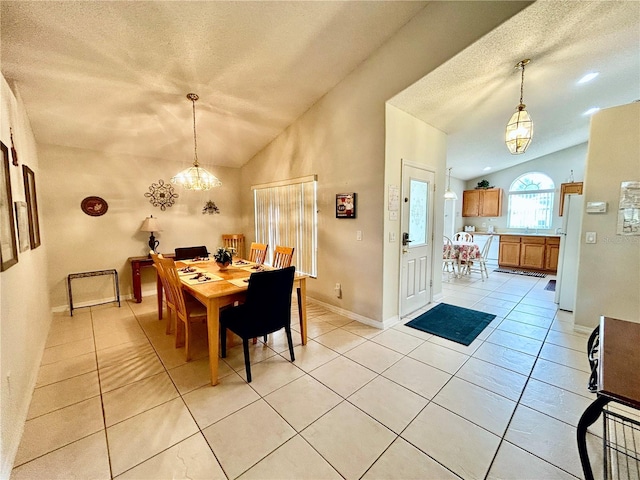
115 399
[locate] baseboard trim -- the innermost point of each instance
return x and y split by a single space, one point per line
351 315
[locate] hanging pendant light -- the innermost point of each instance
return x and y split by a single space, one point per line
520 127
196 177
450 194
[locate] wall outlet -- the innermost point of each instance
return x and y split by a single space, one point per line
338 290
359 235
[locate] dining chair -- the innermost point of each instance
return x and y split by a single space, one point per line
187 308
267 309
168 292
463 237
449 259
481 261
187 253
235 242
258 252
282 257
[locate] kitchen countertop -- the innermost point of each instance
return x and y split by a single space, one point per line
517 234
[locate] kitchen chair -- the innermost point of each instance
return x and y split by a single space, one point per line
267 309
235 242
481 261
282 257
187 308
449 260
463 237
187 253
258 252
168 292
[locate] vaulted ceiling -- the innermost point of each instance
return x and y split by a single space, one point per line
113 76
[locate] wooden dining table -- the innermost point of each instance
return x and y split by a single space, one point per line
217 294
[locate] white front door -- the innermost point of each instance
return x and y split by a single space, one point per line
417 243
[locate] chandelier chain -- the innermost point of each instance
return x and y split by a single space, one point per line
195 139
521 84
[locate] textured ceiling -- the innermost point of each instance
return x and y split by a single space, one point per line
472 96
113 76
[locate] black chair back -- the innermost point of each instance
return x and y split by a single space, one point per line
269 300
187 253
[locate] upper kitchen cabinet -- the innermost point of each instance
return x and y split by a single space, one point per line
568 188
482 203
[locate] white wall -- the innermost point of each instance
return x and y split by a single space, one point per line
413 140
78 242
342 139
557 165
26 314
609 270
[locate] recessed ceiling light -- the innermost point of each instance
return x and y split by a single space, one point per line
591 111
588 77
486 169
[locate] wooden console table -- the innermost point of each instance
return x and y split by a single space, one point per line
618 377
138 263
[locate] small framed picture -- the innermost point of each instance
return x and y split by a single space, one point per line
346 205
32 206
22 217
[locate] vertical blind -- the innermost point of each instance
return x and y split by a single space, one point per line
285 214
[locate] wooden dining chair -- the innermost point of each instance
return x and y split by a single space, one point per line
449 259
282 257
187 308
463 237
187 253
258 252
168 292
267 309
480 264
235 242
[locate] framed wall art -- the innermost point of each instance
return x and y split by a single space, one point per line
8 245
22 218
346 205
32 206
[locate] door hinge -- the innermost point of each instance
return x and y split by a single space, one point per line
431 283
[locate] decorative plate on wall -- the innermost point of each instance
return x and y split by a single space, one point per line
94 206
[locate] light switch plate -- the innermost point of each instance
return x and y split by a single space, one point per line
590 237
359 235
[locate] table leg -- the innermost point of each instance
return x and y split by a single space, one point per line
137 287
587 419
302 308
213 329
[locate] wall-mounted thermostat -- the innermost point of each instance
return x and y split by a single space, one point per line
596 207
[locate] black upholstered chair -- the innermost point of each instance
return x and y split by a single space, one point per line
267 309
187 253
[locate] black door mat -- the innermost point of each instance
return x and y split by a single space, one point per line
520 272
551 286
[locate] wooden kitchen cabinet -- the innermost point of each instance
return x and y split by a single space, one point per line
509 251
532 252
482 203
551 254
566 189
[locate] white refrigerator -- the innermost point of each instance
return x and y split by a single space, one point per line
567 277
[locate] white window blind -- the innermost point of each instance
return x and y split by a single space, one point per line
285 214
531 201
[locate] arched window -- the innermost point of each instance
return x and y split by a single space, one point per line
531 201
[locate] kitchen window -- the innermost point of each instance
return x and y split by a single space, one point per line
285 214
531 201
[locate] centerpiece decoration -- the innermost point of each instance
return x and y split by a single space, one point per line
223 257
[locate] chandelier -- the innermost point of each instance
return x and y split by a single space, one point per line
196 177
520 127
450 194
